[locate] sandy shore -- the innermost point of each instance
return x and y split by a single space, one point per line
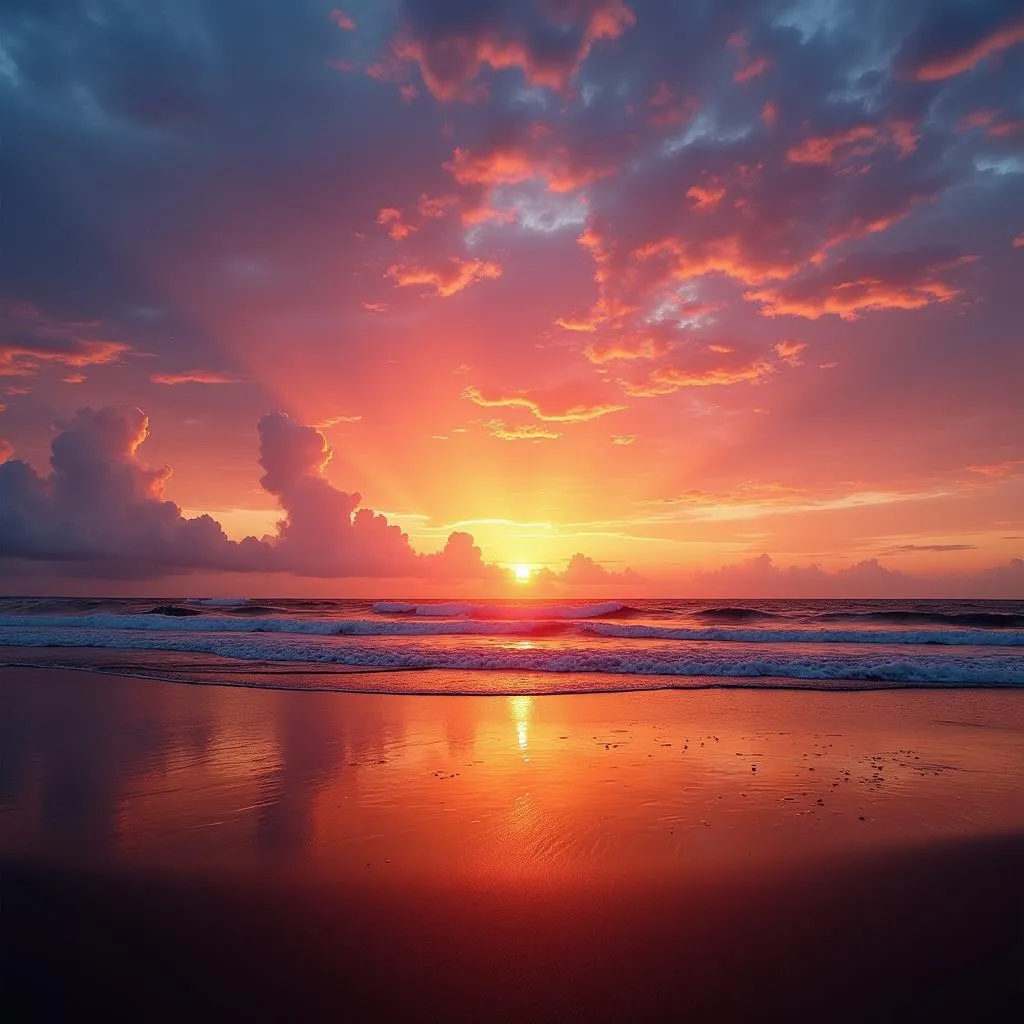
722 854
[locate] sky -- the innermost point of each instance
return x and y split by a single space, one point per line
660 298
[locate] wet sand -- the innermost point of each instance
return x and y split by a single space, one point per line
173 850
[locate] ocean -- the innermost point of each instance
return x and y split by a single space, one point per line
502 647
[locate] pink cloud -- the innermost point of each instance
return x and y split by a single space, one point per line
949 65
451 60
756 67
343 21
861 140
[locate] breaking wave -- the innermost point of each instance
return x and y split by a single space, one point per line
719 661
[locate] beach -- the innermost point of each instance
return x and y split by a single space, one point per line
171 849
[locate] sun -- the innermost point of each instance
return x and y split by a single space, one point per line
523 572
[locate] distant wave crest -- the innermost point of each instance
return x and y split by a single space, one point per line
463 609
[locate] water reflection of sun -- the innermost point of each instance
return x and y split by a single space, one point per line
520 708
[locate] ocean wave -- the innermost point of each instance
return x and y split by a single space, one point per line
464 609
889 667
299 626
896 616
940 637
733 614
264 621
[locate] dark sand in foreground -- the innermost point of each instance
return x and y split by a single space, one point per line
172 851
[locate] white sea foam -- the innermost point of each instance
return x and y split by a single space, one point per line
722 661
941 637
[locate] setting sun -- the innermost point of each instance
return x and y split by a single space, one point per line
523 572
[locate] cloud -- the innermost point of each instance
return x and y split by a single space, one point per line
756 67
705 197
641 345
789 351
526 432
515 162
862 140
623 440
1018 242
30 340
101 502
761 577
198 377
583 571
333 421
343 20
862 283
568 404
941 54
6 450
391 220
901 549
452 43
448 278
697 364
103 509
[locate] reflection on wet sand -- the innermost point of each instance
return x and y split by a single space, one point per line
201 778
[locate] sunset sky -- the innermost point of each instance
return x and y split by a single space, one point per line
725 296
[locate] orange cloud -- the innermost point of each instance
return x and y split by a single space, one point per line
948 66
724 255
433 208
756 67
448 280
31 340
1018 242
789 351
855 286
526 432
623 440
376 307
391 220
450 63
515 163
664 380
637 346
197 377
705 197
859 141
770 113
557 405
